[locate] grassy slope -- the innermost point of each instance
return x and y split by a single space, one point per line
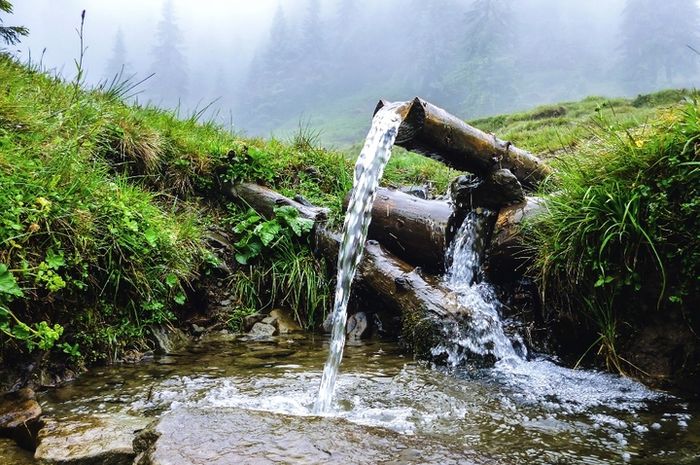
106 207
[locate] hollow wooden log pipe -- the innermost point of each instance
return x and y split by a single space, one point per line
435 133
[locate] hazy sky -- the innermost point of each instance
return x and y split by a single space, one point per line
52 26
563 50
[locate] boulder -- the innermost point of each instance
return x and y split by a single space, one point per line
170 340
285 322
501 188
19 417
357 326
250 320
98 440
262 330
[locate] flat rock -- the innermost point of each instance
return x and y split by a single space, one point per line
231 436
19 416
97 440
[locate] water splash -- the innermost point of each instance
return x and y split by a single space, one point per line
483 333
368 171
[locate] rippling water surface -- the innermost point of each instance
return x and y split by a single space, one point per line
535 413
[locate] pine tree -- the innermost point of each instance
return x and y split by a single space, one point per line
265 94
170 68
118 64
654 45
312 67
11 35
483 82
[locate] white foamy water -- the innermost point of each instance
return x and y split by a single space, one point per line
481 333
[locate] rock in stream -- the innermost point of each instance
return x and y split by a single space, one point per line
96 440
232 436
19 417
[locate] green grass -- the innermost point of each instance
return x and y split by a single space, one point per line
552 129
106 206
96 228
619 241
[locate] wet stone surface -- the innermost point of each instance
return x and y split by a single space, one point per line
12 454
229 436
19 416
103 439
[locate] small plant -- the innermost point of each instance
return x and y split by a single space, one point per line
256 234
40 335
285 271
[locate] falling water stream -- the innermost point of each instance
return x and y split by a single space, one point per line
482 333
368 171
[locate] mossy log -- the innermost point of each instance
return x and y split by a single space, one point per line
422 303
432 131
264 201
507 254
414 229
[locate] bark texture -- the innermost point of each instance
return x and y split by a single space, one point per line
432 131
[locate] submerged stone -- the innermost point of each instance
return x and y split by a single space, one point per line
12 454
19 417
230 436
103 440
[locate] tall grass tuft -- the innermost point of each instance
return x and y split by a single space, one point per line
620 238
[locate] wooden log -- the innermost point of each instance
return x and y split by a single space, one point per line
432 131
414 229
507 254
400 289
422 303
264 201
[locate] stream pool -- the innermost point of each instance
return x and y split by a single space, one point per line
387 405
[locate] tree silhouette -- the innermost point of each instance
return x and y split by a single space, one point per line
654 43
170 68
118 64
483 79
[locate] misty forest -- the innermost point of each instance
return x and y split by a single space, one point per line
349 231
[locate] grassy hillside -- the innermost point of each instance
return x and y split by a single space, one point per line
108 207
107 210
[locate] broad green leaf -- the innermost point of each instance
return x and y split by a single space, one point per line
268 231
8 284
151 236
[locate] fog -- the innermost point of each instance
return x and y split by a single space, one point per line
267 67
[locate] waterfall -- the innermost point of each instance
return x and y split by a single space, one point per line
482 334
368 171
